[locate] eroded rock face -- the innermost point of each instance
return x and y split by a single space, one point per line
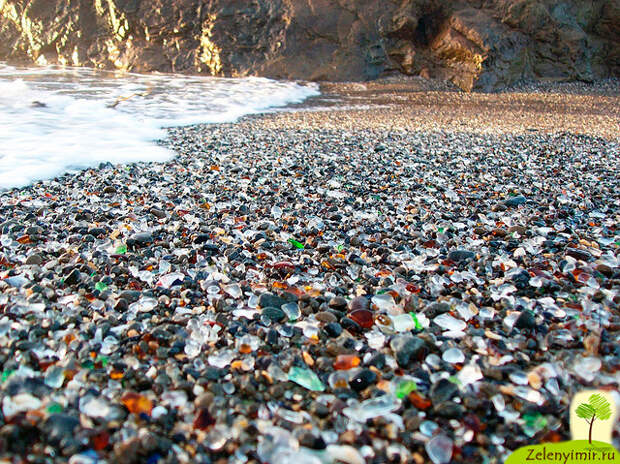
477 44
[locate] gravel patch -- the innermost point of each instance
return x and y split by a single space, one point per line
313 286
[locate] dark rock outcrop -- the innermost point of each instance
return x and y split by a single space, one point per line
477 44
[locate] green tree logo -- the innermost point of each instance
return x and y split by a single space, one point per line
597 407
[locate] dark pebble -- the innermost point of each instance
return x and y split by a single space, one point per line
378 360
350 325
202 238
140 240
576 253
362 380
73 278
443 390
333 329
274 314
269 299
449 410
515 201
59 427
526 320
407 349
35 259
312 441
338 303
158 213
461 255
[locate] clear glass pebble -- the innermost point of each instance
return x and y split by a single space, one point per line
292 311
587 367
167 280
143 305
384 303
276 212
54 376
234 290
94 407
448 322
439 449
221 359
192 348
403 323
453 356
498 402
471 373
428 428
22 402
518 377
373 407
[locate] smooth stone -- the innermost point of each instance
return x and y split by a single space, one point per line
34 259
449 410
521 279
273 336
213 373
333 329
380 147
360 302
325 316
576 253
97 231
73 278
141 239
269 299
121 305
338 303
18 439
158 213
350 325
32 385
526 320
130 296
378 360
363 380
407 348
518 229
311 440
59 427
202 238
605 270
274 314
435 309
480 231
461 255
515 201
443 390
319 409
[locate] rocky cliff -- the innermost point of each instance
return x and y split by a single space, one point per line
477 44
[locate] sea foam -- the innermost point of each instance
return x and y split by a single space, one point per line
54 120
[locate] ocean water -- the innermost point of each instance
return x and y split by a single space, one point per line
54 120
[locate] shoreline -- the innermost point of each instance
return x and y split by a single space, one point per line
252 296
420 104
